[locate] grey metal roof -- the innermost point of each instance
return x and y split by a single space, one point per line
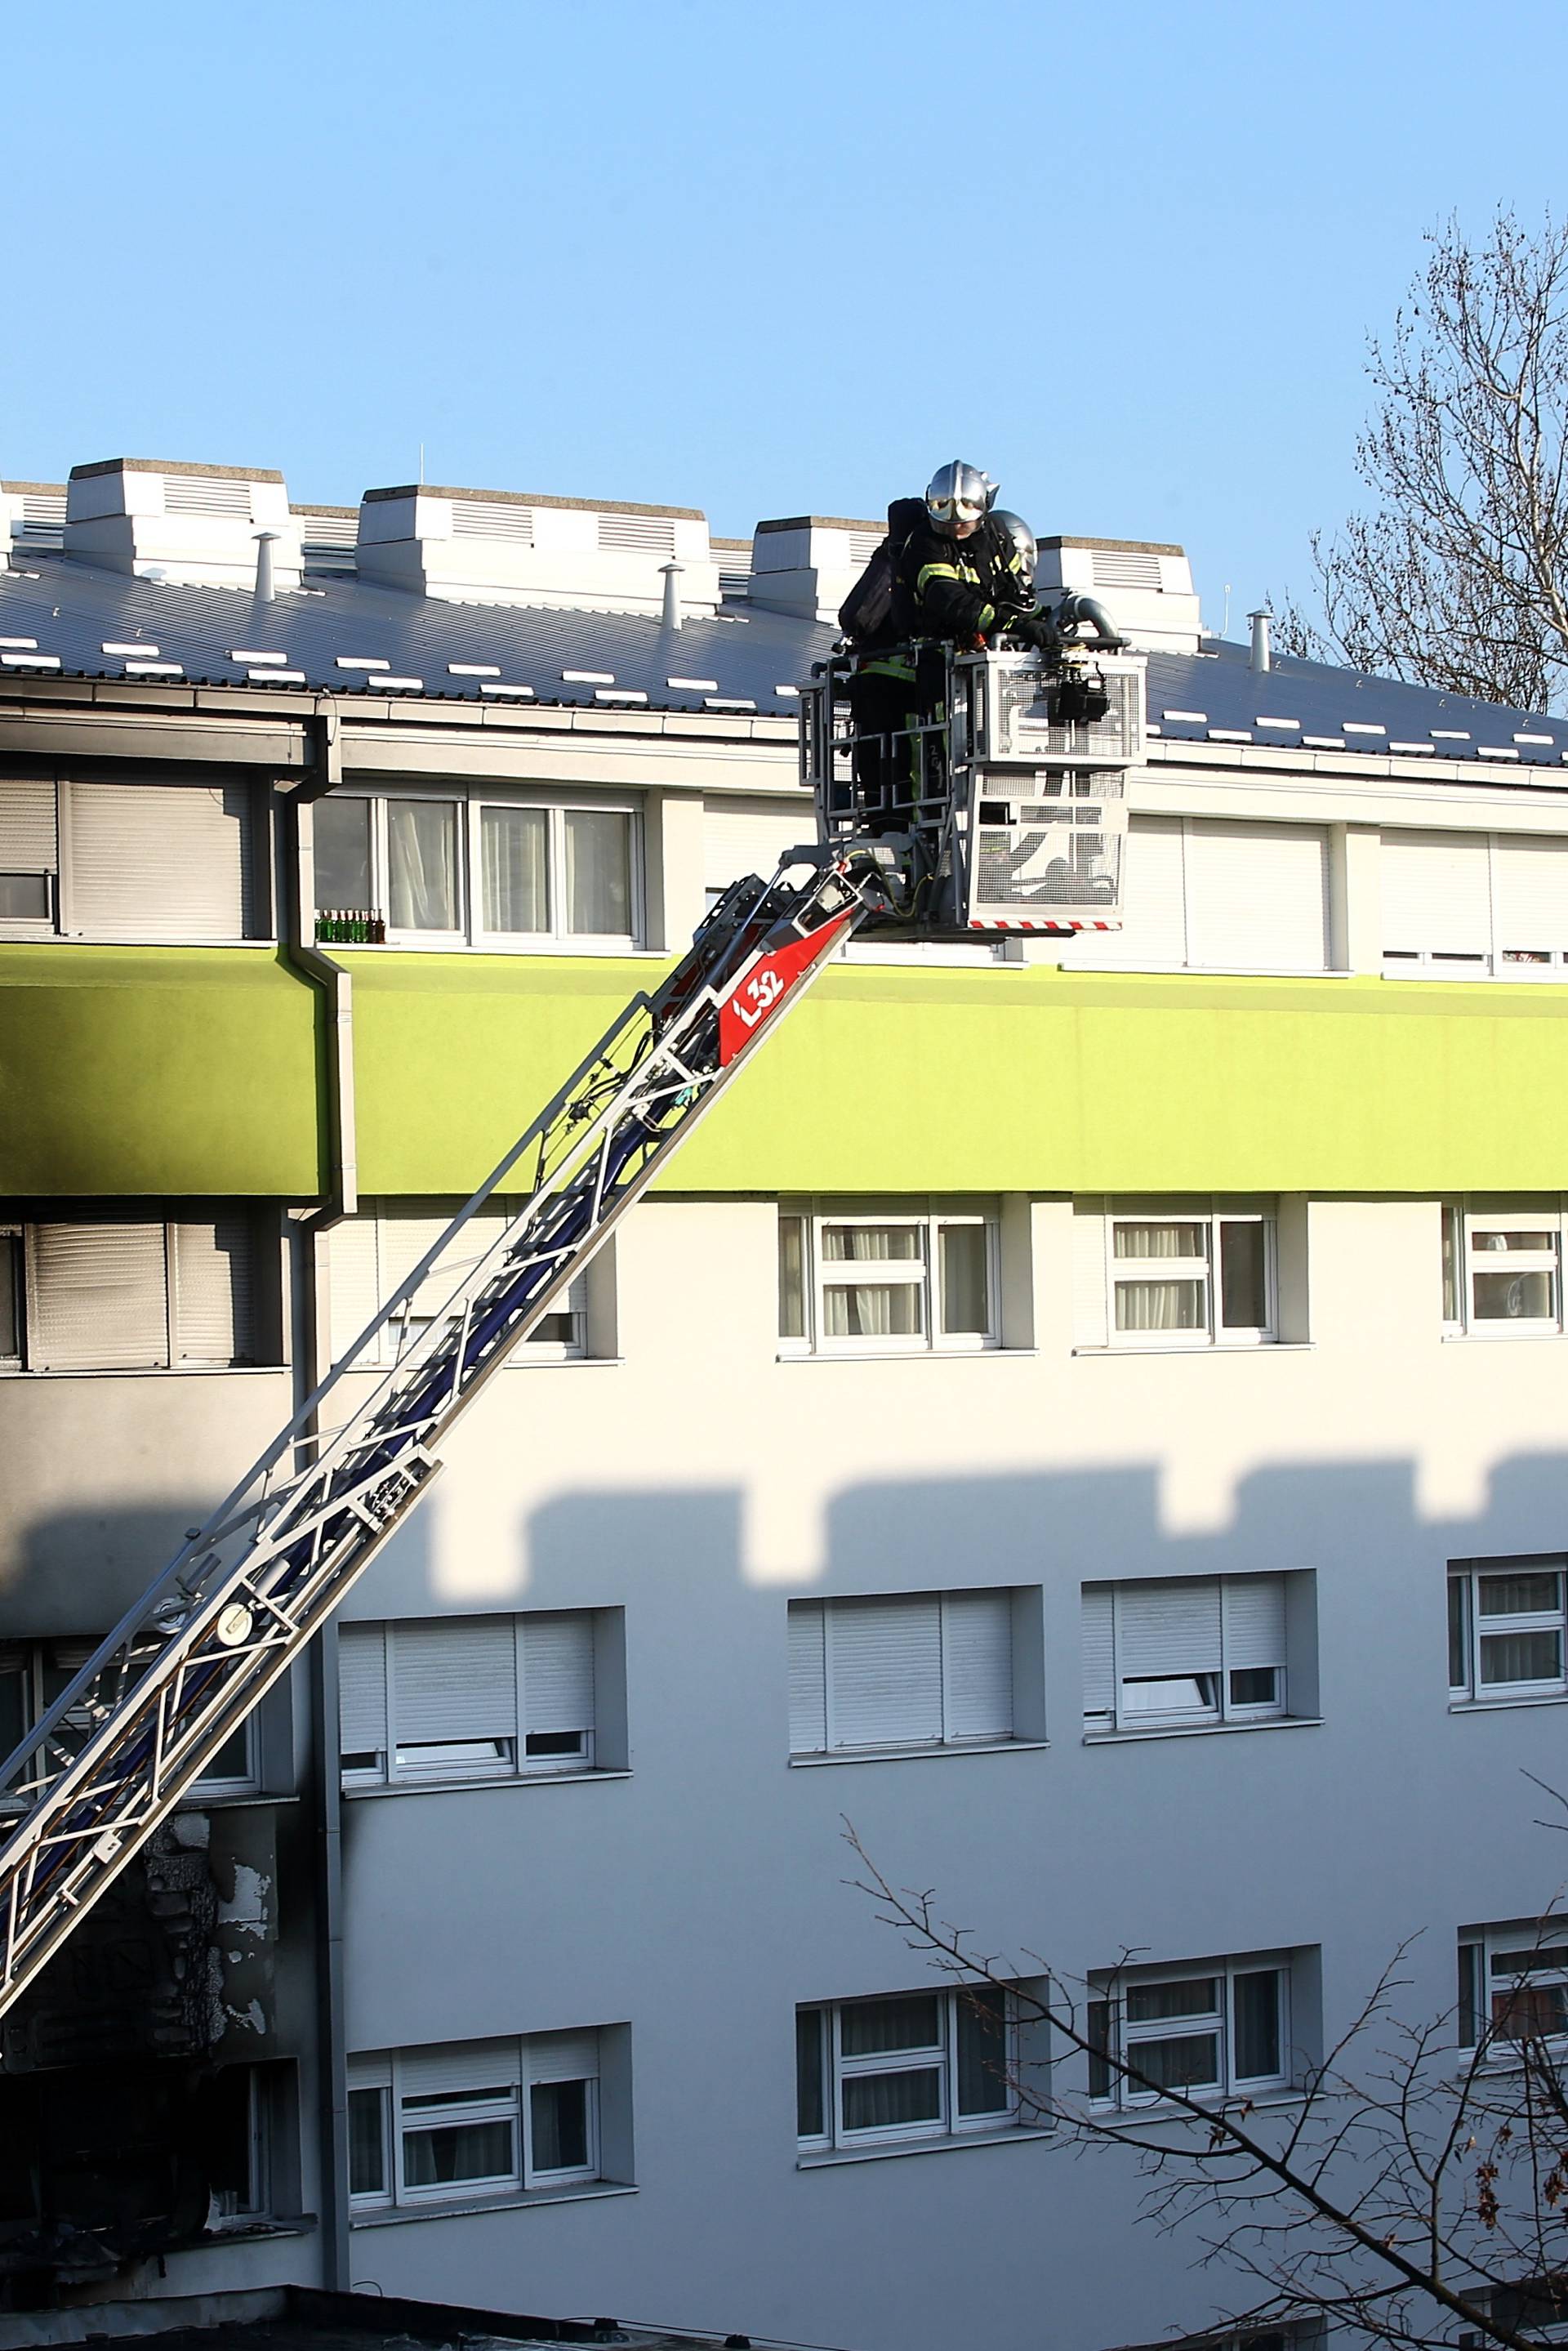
741 660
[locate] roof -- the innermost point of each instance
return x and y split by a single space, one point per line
344 635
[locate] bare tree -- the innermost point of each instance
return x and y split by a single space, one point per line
1414 2188
1457 575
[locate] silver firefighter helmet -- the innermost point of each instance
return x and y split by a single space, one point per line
959 494
1016 535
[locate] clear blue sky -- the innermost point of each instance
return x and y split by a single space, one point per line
757 258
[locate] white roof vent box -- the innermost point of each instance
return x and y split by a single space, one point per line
507 547
194 524
32 518
806 564
1145 585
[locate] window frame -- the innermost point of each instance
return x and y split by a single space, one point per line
1480 1949
19 1238
1469 1625
1463 1262
949 1742
941 2057
1228 1713
1108 1993
488 2101
469 802
59 1658
1216 1218
390 1771
929 1217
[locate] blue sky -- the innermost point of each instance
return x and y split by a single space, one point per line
758 259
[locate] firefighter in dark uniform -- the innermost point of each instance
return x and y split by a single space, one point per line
963 575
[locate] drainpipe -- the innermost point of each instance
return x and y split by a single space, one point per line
313 1360
1259 657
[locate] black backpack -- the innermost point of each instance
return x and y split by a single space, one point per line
870 615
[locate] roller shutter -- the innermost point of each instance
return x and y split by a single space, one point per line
558 1672
1436 894
96 1298
454 1678
886 1672
807 1680
161 860
1532 896
1257 895
743 836
977 1664
362 1689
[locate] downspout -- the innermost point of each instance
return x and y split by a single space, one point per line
314 1362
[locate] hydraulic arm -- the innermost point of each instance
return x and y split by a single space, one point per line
149 1711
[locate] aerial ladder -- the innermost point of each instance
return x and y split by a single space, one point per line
998 806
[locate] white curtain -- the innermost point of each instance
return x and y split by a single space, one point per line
516 855
599 874
422 842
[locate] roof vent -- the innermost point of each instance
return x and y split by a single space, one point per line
806 564
1260 658
327 536
31 517
196 525
502 547
1144 585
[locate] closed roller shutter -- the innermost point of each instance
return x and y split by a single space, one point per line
27 826
561 2056
458 2066
1257 895
807 1680
354 1282
96 1298
1099 1655
1090 1281
1167 1629
887 1672
214 1291
1532 896
751 836
161 860
1436 894
977 1664
1254 1621
362 1689
453 1679
1154 926
558 1672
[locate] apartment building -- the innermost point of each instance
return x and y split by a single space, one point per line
1127 1380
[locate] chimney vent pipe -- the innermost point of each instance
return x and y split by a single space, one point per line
671 617
1260 658
265 589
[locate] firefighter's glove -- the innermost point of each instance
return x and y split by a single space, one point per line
1037 630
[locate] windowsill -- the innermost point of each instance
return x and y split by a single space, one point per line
1206 1352
1506 1705
919 1754
1200 1729
623 948
393 2215
487 1779
1139 2117
1503 1336
520 1360
908 1355
830 2158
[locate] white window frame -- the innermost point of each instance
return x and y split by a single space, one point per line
939 2057
1469 1625
469 805
13 1330
1226 1709
943 1603
1463 1221
1484 1953
1214 1217
511 2102
235 2208
63 1658
21 1240
473 1243
1110 1992
453 1763
1530 964
927 1218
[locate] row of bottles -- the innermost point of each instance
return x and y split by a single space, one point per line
350 926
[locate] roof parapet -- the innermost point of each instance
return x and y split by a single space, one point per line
507 547
161 518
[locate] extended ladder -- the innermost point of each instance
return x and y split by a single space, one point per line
150 1709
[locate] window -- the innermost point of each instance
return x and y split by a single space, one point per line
1506 1629
121 1296
919 2065
922 1669
28 857
1205 2030
467 870
474 2118
1502 1265
1514 1982
1183 1653
1194 1274
370 1256
1458 905
33 1674
1535 2308
467 1698
887 1281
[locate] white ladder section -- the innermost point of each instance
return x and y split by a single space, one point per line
149 1711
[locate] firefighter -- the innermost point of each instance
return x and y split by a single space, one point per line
961 573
